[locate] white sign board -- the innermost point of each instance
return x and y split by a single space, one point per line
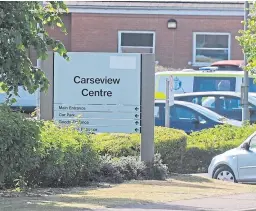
101 90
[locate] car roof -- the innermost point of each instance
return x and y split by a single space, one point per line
236 94
200 73
228 63
251 97
184 103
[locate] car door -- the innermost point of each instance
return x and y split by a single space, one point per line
247 163
182 118
229 107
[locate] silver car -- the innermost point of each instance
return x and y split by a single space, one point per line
236 165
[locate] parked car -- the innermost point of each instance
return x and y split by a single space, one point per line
225 103
229 65
189 116
236 165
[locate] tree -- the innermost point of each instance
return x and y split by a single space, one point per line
247 39
20 25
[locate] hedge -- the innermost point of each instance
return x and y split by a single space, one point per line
18 145
41 153
182 153
169 143
204 145
44 154
66 157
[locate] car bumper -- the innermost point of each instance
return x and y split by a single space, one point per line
210 170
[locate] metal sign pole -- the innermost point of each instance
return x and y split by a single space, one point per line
147 108
244 89
167 107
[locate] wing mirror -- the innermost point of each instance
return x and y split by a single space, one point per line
246 146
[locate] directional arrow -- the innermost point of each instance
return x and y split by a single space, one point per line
136 130
137 115
136 109
136 122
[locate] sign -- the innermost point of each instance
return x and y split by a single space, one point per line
101 91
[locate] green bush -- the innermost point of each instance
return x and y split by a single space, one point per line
130 168
66 157
204 145
169 143
18 145
41 153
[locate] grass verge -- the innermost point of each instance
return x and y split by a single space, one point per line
132 194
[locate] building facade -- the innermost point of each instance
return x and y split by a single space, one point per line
182 35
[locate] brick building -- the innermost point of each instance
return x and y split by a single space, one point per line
181 34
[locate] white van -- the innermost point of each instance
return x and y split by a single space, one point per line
200 81
25 101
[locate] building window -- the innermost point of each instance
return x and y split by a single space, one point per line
210 47
136 42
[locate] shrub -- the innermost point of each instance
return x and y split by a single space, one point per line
66 157
159 170
169 143
117 170
44 154
18 145
204 145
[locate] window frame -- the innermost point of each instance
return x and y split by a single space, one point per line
209 33
137 32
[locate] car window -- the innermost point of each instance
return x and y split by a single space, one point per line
202 84
206 112
253 142
156 112
228 103
197 100
162 84
182 113
209 102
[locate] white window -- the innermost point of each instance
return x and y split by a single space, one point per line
136 42
210 47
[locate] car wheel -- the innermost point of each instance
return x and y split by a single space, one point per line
224 173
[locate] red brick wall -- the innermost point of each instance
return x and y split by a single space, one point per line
59 35
95 33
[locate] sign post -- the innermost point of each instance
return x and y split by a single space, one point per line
147 108
107 93
245 85
167 107
171 92
169 100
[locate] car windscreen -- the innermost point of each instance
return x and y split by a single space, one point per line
206 112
